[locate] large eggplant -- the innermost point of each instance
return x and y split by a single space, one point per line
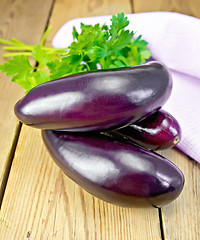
117 172
157 131
104 99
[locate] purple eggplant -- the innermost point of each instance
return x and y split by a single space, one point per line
157 131
117 172
104 99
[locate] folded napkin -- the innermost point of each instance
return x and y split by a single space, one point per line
174 40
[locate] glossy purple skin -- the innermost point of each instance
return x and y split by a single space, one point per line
99 100
117 172
157 131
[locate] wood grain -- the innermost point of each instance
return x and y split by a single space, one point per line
25 21
181 219
189 7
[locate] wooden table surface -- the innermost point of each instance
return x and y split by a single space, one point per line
37 200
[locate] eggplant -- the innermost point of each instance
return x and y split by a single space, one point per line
156 132
117 172
95 101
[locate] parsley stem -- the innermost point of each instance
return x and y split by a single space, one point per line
17 42
102 62
4 41
88 67
50 50
44 36
18 48
6 55
57 51
13 42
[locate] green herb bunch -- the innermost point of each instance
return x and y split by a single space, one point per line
94 47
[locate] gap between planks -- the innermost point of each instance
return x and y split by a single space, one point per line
132 5
9 162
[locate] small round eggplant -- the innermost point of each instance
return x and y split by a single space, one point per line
117 172
157 131
95 101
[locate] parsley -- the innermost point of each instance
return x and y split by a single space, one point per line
94 47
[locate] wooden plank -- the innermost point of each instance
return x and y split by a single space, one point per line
25 21
181 219
41 203
189 7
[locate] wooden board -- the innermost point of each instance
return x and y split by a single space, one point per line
189 7
25 21
181 219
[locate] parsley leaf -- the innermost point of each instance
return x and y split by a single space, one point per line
123 39
75 34
68 65
41 55
119 22
17 65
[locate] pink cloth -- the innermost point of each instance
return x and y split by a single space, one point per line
174 39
